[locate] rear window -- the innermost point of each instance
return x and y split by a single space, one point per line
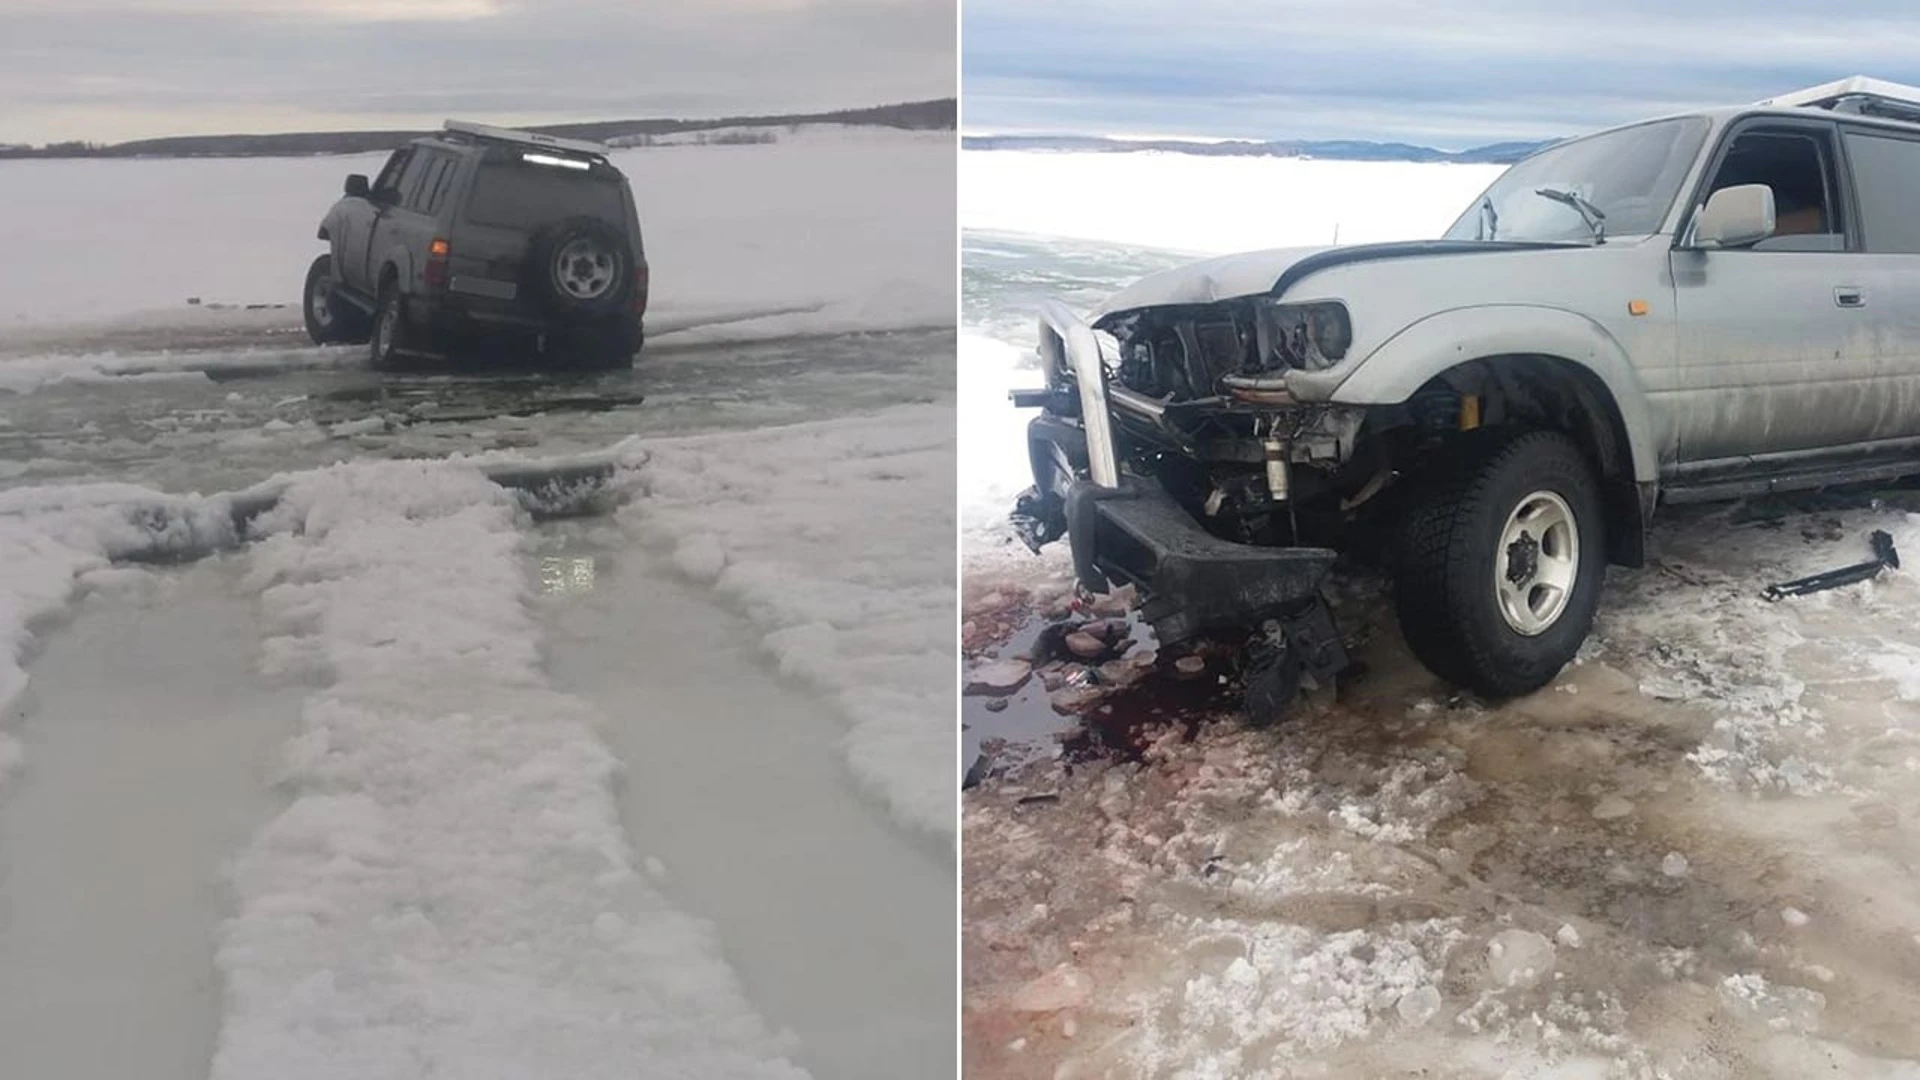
519 195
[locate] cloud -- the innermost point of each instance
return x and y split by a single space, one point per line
118 69
1454 72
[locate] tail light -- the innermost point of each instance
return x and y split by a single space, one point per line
640 281
436 268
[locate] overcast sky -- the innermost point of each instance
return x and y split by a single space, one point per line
110 70
1448 73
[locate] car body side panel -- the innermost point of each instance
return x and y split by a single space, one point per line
349 227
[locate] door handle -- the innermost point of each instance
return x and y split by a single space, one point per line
1850 296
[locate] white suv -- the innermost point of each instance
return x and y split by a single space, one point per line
1699 307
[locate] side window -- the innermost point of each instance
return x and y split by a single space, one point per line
388 181
1885 173
425 196
410 179
1798 166
445 184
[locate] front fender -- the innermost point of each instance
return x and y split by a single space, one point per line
1411 358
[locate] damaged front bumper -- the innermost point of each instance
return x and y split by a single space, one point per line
1128 529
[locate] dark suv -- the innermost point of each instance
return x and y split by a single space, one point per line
474 233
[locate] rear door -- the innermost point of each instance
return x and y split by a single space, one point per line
1885 168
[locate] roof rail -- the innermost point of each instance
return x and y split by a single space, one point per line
526 138
1858 94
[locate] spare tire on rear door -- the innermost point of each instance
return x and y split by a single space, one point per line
580 266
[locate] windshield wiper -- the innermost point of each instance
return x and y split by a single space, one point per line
1489 218
1595 218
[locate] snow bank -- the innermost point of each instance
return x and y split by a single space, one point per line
1186 202
29 373
835 540
854 228
994 468
448 891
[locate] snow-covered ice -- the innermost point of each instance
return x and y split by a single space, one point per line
442 873
838 229
448 889
826 537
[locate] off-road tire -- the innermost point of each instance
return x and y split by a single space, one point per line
390 334
330 319
1447 557
551 254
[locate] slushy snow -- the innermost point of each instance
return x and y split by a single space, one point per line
448 891
829 539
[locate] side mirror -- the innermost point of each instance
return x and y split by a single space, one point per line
357 186
1735 217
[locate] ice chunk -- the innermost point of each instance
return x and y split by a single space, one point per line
1519 958
1065 987
1611 807
1793 916
1417 1006
1782 1008
1674 865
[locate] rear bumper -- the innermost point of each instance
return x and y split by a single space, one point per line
1129 530
455 314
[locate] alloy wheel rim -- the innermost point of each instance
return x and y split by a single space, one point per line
583 269
1536 563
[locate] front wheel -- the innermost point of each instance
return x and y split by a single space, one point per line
1499 562
330 320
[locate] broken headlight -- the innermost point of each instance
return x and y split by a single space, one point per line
1309 336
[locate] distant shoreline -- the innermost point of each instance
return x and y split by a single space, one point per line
939 114
1505 153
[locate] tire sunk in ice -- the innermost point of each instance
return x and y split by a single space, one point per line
330 319
1498 564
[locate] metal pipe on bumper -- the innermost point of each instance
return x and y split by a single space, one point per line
1068 343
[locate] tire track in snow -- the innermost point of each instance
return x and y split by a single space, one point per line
148 735
449 891
736 781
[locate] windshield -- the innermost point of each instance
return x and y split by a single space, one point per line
518 195
1630 175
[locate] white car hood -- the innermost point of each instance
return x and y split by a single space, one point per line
1204 282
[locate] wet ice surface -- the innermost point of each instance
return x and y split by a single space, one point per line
1692 855
422 849
216 418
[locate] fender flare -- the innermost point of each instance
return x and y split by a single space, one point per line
1424 349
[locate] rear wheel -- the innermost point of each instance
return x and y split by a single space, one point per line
390 336
330 319
1499 563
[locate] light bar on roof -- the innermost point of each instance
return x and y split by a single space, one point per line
549 159
526 138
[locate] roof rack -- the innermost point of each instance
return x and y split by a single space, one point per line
526 138
1859 95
